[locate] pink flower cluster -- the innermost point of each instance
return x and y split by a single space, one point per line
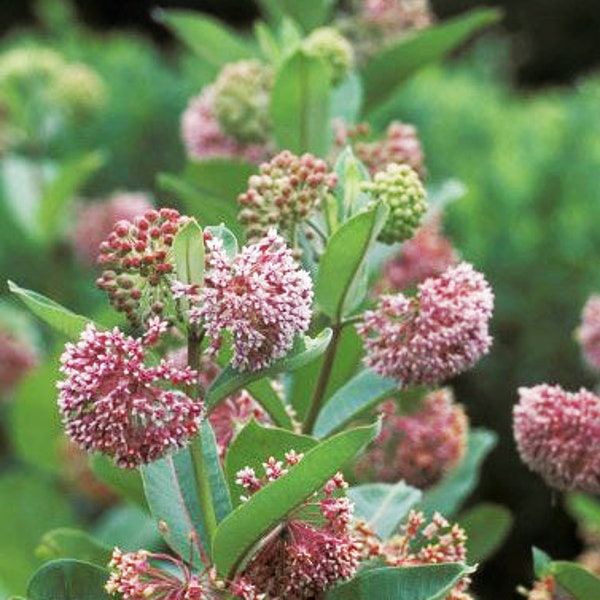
558 436
95 220
427 254
299 561
111 402
400 145
261 297
421 447
17 358
398 16
142 575
588 333
438 334
137 260
204 138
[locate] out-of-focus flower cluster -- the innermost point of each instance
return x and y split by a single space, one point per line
558 436
334 49
112 402
588 333
421 447
287 190
95 220
427 254
17 357
436 335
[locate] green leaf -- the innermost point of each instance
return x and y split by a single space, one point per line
230 243
351 173
209 190
386 71
383 505
125 482
262 391
36 432
585 509
358 395
61 190
300 105
231 380
73 543
343 262
580 583
267 42
216 478
308 13
216 44
171 492
487 526
431 582
254 445
188 249
52 313
542 563
249 522
68 579
346 99
29 507
447 496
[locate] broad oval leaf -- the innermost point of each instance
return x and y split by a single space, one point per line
264 393
346 99
309 13
73 543
230 243
300 105
447 496
430 582
52 313
383 505
487 526
208 38
171 492
254 445
585 509
343 262
249 522
188 249
386 71
68 579
580 583
304 351
125 482
359 394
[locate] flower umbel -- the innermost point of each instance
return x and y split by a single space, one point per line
399 188
420 447
286 191
261 297
558 436
334 49
111 402
436 335
17 357
588 334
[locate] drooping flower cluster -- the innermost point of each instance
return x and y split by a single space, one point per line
94 222
17 358
112 402
241 101
399 188
334 49
588 333
261 297
558 436
420 447
436 335
204 137
138 262
400 145
427 254
284 194
300 560
143 575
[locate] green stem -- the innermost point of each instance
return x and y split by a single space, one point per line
196 451
319 394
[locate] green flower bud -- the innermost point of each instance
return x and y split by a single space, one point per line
242 94
400 188
331 46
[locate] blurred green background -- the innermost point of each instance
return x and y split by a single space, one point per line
530 219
